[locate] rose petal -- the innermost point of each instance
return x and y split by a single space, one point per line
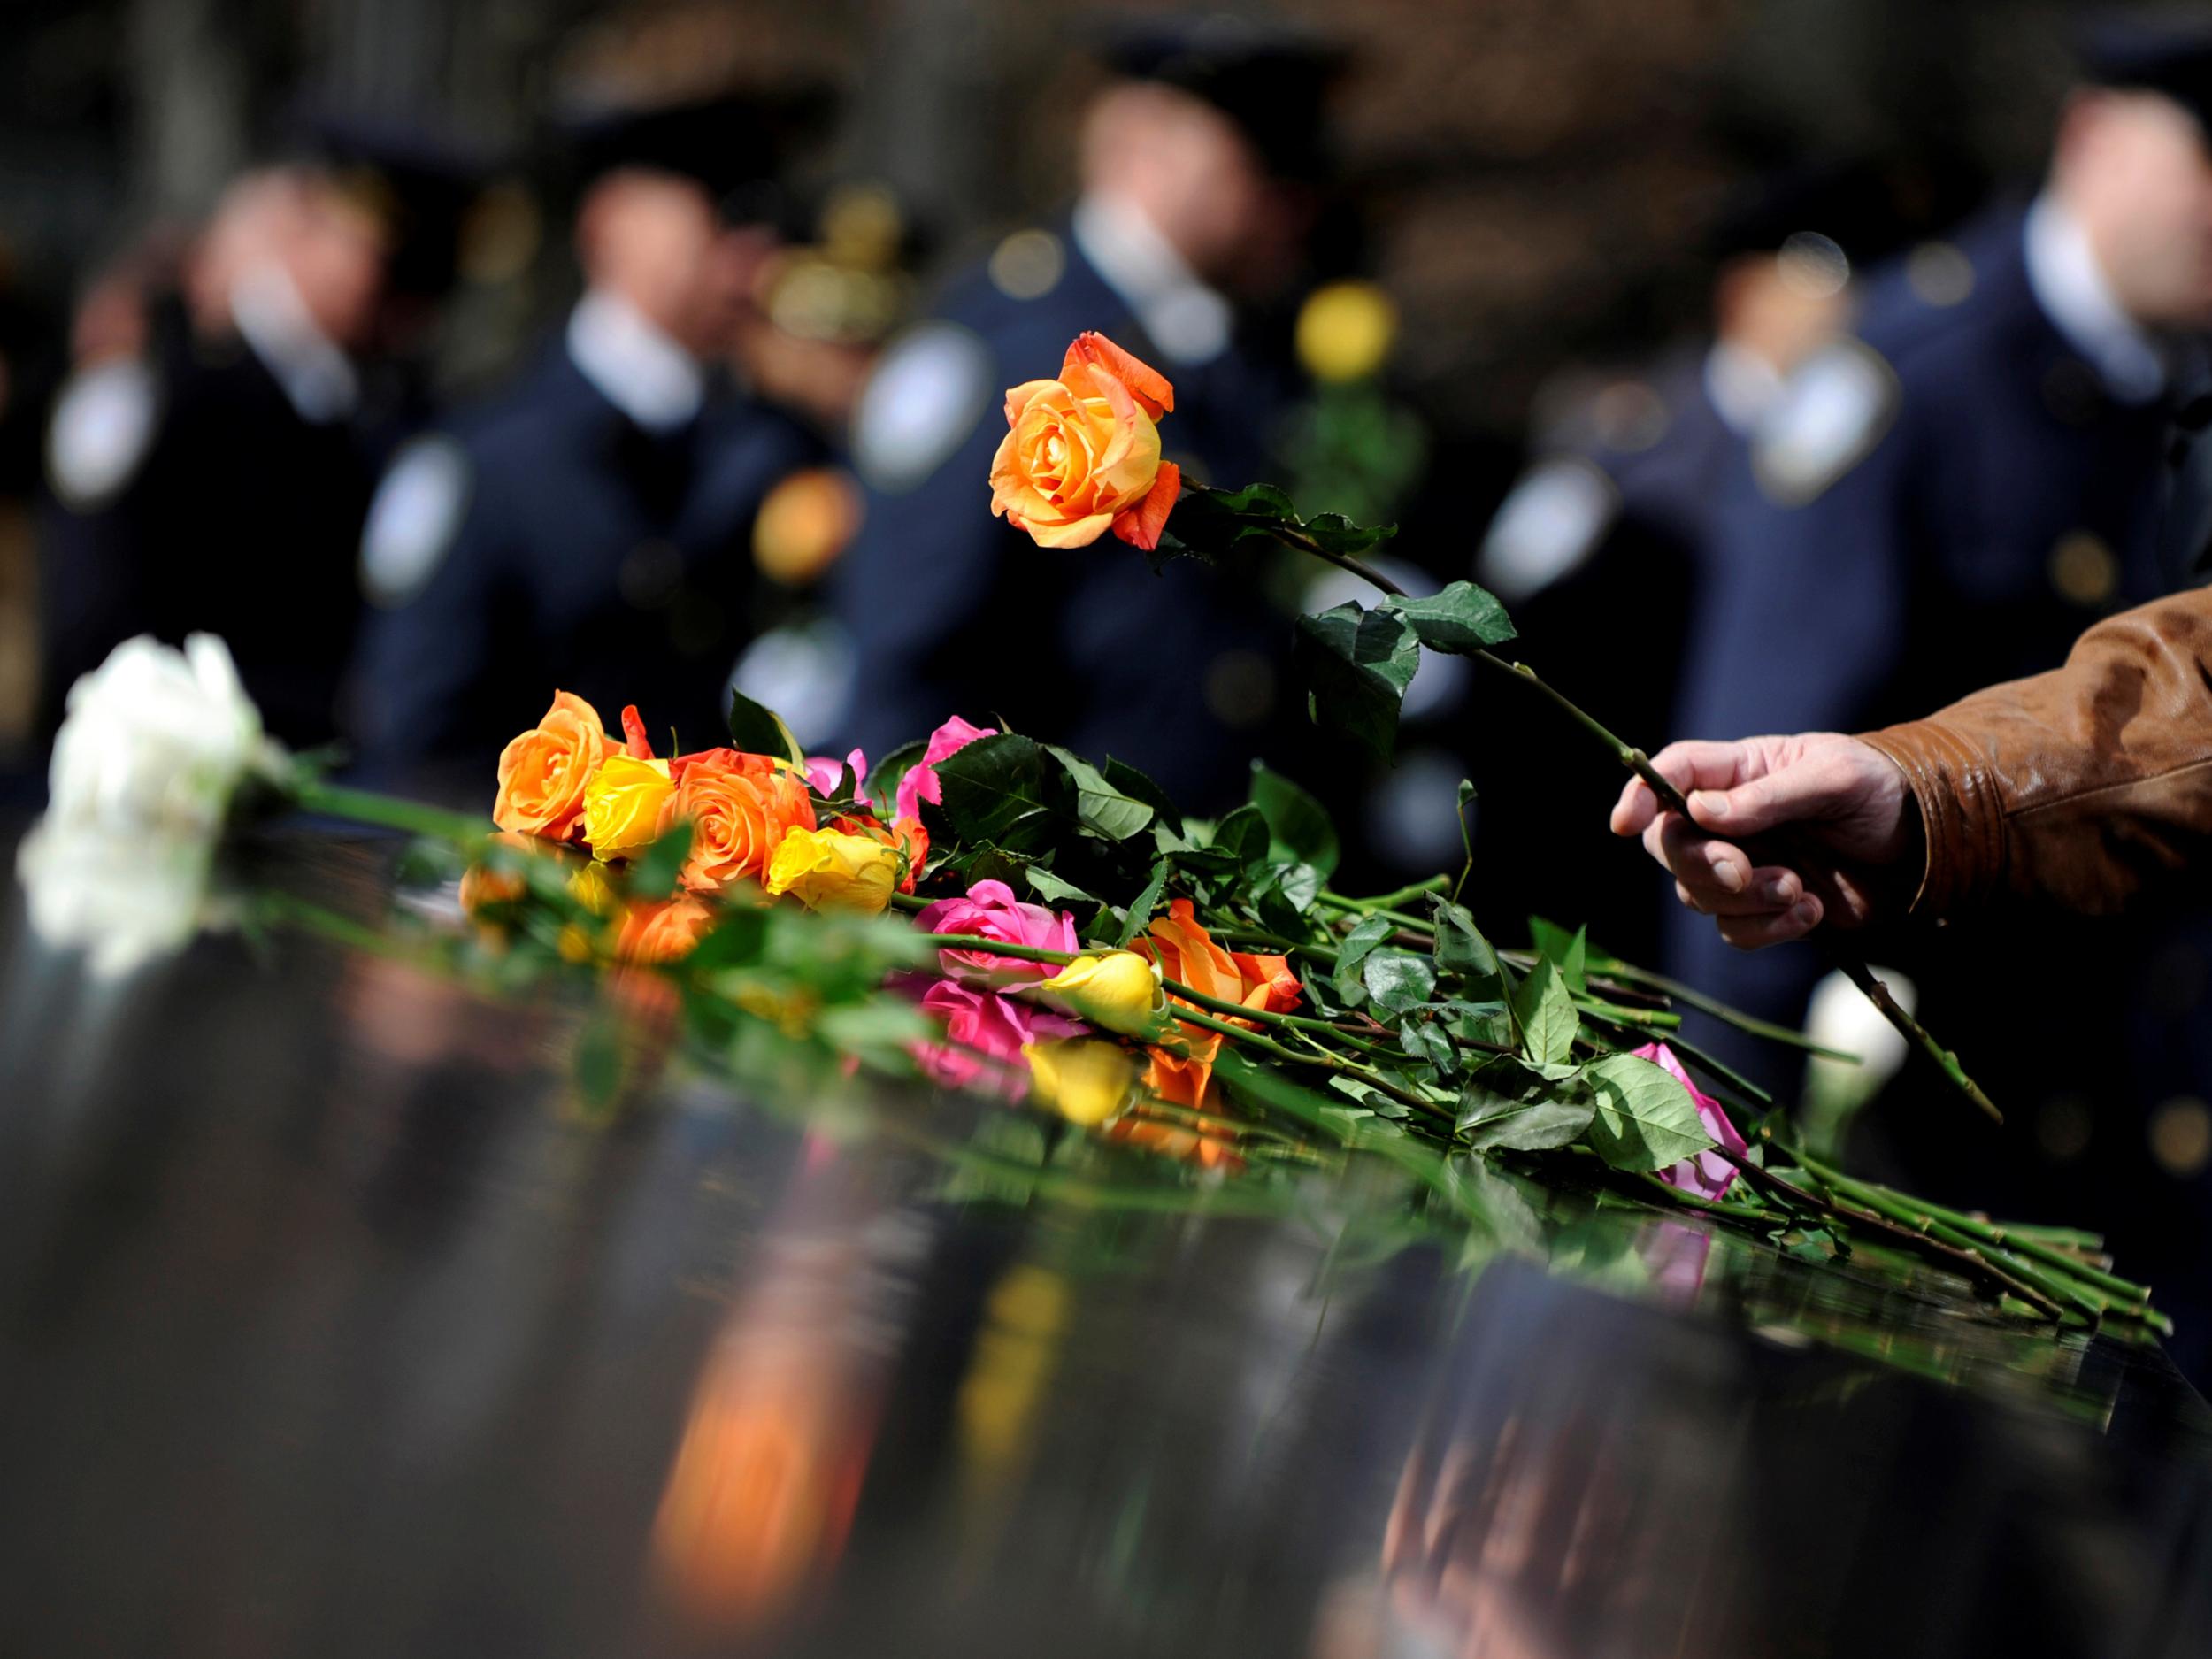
1141 525
1094 355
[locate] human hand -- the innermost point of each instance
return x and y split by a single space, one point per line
1842 800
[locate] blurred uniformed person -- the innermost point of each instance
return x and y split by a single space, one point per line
203 465
1944 502
589 529
1192 167
1602 538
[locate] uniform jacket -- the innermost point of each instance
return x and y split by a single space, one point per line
586 554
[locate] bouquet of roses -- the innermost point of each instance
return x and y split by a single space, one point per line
1192 987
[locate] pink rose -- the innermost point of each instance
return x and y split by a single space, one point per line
985 1033
824 773
992 911
1707 1175
920 783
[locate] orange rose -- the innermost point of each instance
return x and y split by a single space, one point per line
1081 454
1186 954
740 807
542 772
665 931
483 888
1209 1149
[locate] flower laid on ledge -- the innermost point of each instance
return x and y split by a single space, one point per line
156 745
1181 989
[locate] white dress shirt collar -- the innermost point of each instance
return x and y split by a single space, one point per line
2072 290
1742 385
633 364
1189 322
274 320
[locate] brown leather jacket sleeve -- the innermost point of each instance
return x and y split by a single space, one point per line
2084 786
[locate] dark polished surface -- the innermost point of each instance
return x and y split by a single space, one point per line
331 1322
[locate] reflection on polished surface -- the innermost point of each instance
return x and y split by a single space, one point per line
333 1320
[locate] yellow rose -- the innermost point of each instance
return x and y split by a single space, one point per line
826 870
1346 330
622 805
591 889
1117 992
1082 1079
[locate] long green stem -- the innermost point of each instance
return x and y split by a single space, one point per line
1977 1262
386 812
1387 902
1320 1057
1633 758
1691 997
1989 1233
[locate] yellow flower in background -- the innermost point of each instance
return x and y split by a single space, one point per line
622 805
592 888
1346 330
1118 992
1083 1079
827 870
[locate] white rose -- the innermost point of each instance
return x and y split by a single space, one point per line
156 738
123 899
155 744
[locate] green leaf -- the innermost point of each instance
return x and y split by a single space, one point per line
1506 1108
760 731
1461 619
1099 806
1357 664
1645 1119
1461 949
1299 884
1142 907
889 770
1207 523
1298 825
1052 889
1353 953
653 872
1137 786
1397 979
1549 1021
1480 1022
1426 1040
1242 835
1335 533
1567 952
996 782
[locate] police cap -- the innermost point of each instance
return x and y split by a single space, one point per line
1272 80
2164 52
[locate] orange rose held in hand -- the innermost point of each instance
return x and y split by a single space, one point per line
542 772
740 807
1081 454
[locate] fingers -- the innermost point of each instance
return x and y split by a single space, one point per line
1717 877
1635 810
1692 765
1788 795
1770 890
1774 927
